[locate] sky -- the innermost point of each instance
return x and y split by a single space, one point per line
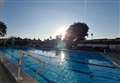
44 18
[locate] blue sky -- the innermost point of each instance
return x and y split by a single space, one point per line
43 18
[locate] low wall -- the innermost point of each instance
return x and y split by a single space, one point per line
111 47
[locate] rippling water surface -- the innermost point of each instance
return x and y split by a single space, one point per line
65 66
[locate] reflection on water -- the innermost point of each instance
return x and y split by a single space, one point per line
62 57
55 56
66 67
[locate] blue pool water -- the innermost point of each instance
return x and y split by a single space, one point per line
65 66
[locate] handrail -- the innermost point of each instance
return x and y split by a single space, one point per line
39 70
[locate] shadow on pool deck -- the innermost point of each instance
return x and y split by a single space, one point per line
5 77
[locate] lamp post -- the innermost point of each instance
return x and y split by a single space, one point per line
91 36
13 42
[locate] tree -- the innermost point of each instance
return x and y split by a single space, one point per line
91 35
50 37
59 37
75 33
3 28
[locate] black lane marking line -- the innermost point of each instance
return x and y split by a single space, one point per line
82 72
86 73
66 68
83 62
95 76
48 80
90 74
44 77
91 64
29 66
104 77
78 70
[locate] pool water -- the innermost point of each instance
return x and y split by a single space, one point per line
65 66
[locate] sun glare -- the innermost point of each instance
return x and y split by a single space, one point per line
62 57
61 31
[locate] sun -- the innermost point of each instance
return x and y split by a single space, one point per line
61 31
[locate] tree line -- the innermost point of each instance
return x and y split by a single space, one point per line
75 33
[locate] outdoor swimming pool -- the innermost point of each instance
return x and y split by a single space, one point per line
65 66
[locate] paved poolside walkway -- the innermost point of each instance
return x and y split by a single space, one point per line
4 78
13 70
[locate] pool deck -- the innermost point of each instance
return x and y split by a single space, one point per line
12 68
4 76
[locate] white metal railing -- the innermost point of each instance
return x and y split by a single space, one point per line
22 54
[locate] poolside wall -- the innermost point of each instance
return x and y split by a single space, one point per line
101 47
